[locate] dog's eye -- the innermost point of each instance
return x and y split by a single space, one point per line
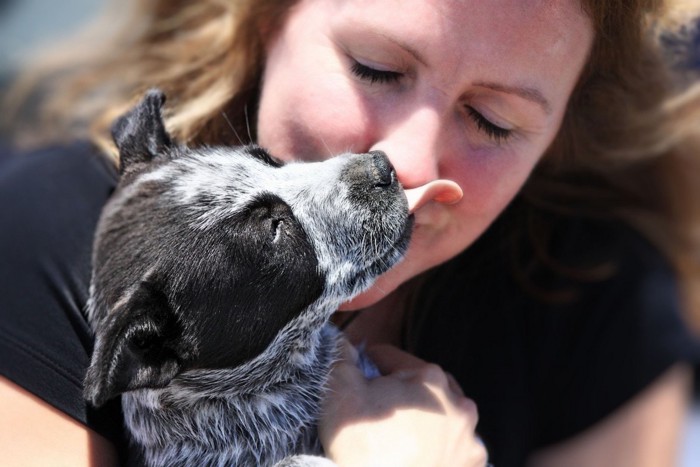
272 216
143 342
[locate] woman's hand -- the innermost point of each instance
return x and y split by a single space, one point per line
413 415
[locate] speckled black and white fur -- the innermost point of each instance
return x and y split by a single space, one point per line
215 272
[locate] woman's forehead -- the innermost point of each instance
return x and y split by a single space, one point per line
475 19
541 42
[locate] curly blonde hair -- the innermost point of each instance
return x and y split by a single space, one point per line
629 146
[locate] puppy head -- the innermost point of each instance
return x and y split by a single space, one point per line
203 256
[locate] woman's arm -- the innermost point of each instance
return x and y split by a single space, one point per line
413 415
34 433
644 432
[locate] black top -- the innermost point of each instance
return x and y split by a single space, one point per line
49 205
539 370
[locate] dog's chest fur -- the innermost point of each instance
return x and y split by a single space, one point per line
233 424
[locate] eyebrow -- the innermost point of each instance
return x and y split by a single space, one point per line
404 45
530 94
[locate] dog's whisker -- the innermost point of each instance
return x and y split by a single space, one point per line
383 292
247 122
363 251
323 140
240 141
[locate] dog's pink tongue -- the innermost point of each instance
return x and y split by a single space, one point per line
441 191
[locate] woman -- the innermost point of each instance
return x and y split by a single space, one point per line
549 307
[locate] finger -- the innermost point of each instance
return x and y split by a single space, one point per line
469 408
390 359
396 363
345 374
478 454
348 352
453 384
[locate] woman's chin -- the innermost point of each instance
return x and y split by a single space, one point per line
382 287
364 300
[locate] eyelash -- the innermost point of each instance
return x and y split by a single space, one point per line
374 76
495 132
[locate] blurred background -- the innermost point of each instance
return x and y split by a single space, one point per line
27 25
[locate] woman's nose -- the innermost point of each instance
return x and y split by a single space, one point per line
413 146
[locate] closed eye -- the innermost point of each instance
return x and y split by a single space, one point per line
492 130
372 75
272 217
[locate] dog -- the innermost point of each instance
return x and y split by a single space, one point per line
215 273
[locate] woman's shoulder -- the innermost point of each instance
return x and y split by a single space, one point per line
51 198
50 201
78 166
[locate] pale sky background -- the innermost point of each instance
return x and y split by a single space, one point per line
27 24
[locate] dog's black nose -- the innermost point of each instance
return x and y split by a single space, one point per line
384 172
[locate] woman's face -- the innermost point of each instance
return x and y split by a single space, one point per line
468 90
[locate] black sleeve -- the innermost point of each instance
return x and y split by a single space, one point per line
547 352
50 201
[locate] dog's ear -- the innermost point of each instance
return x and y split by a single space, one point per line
141 345
140 134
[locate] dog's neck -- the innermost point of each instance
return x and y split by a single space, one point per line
285 384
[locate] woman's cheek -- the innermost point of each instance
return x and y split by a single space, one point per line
344 124
442 232
489 178
321 123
